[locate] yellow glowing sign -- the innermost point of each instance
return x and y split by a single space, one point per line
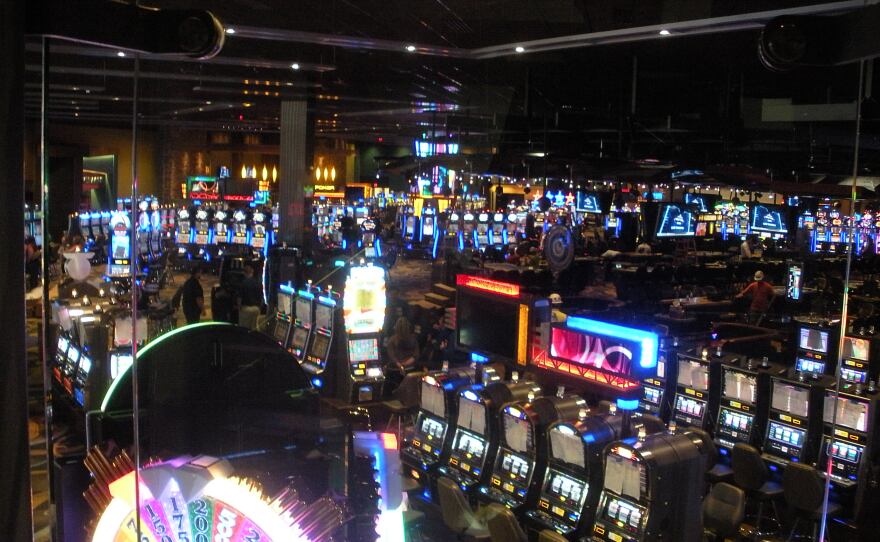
522 335
363 303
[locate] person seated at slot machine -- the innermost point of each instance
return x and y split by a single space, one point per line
192 299
250 299
402 350
762 297
436 347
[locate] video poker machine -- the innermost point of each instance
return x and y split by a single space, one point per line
856 366
422 451
522 453
428 227
572 484
658 390
317 351
794 422
283 314
697 390
477 433
370 241
653 487
302 324
816 351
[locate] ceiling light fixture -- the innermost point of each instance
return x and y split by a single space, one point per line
411 48
120 54
230 30
295 65
665 32
520 49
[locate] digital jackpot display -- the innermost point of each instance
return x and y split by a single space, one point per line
767 218
364 300
588 202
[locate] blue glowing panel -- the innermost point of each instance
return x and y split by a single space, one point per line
647 341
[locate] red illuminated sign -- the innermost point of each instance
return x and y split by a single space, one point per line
488 285
583 372
238 197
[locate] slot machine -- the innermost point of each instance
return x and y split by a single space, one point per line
259 233
652 488
95 224
658 389
468 230
864 232
363 308
570 490
477 433
522 455
370 240
143 230
744 404
697 389
360 214
821 231
856 366
481 235
522 221
120 245
612 225
202 228
303 319
410 225
156 230
428 226
498 233
184 230
454 239
221 227
794 423
317 352
82 220
816 354
849 437
423 450
511 234
240 231
836 232
283 315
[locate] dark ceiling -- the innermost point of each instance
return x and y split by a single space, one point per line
698 91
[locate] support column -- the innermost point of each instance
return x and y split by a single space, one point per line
294 214
15 504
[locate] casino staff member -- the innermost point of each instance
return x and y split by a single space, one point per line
762 296
250 299
192 299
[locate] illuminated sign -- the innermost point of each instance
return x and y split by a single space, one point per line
430 148
649 342
325 187
363 304
203 188
238 197
488 285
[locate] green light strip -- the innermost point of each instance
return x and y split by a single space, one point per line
145 349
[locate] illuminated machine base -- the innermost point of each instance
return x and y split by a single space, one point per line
196 500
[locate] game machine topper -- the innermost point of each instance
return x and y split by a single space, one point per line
363 311
477 431
522 453
423 449
600 358
652 487
572 484
495 321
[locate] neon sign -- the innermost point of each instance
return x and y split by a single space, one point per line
424 148
488 285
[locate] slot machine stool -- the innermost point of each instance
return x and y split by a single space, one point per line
550 536
503 526
723 511
804 490
751 474
404 402
458 514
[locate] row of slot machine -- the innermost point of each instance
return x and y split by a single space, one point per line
457 230
327 217
586 469
830 231
791 414
336 338
204 232
33 223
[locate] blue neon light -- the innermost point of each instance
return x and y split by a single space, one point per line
344 244
477 358
317 382
327 301
287 289
589 438
460 241
434 249
627 404
305 294
648 340
504 236
378 248
339 263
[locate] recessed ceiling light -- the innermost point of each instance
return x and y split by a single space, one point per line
664 32
120 54
208 102
411 48
520 49
230 30
116 98
295 65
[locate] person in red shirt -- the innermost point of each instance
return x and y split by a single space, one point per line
762 297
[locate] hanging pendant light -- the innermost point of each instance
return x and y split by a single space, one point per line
333 174
317 174
244 172
265 173
274 174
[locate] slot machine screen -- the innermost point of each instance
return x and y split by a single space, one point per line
518 433
652 395
370 252
566 488
675 221
515 466
119 363
432 427
624 476
809 365
300 336
61 350
791 399
72 360
319 346
693 374
603 353
470 444
428 226
626 514
856 348
767 218
304 312
850 413
795 280
701 229
360 350
814 340
691 407
281 328
323 316
740 386
85 367
486 326
736 421
567 446
284 303
472 415
433 400
845 451
786 435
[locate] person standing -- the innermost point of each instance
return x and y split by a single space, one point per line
762 296
250 299
192 299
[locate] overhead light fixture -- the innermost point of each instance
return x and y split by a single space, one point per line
411 48
520 49
665 32
295 65
230 30
120 54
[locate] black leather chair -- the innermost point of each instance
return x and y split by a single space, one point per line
723 511
804 491
458 515
750 473
404 402
503 525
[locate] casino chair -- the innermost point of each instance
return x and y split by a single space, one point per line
723 511
458 514
751 474
404 401
804 490
503 526
550 536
